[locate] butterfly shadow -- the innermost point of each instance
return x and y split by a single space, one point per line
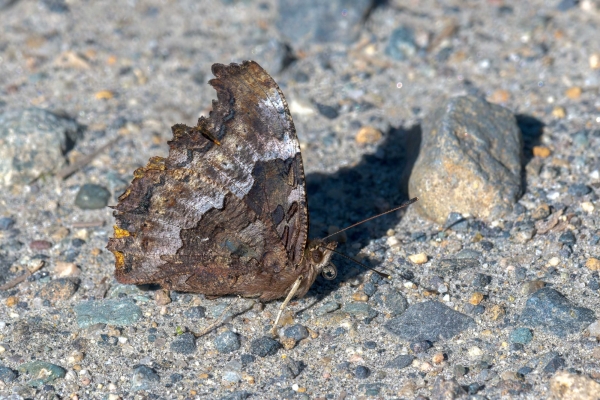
378 183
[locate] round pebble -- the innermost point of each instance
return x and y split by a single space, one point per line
362 372
92 197
420 258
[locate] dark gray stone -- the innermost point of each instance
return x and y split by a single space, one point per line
360 310
579 190
35 142
196 312
238 395
296 332
430 320
303 22
328 112
395 302
471 157
552 312
109 311
143 378
92 197
227 342
362 372
7 375
401 45
264 346
6 223
402 361
292 368
184 344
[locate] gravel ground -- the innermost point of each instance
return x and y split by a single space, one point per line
499 304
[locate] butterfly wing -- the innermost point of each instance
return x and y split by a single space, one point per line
226 212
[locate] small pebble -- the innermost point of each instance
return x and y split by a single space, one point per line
6 223
476 298
541 151
593 264
143 378
360 296
362 372
66 269
559 112
227 342
438 358
196 312
368 135
40 245
296 332
58 289
420 258
92 197
184 344
264 346
521 335
573 93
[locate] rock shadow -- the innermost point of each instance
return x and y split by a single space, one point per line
378 183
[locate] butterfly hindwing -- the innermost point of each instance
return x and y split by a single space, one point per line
226 212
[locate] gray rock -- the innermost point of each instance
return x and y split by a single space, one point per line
296 332
359 310
237 395
471 157
317 21
430 320
401 45
184 344
143 378
92 197
58 289
196 312
34 142
447 389
521 335
292 368
227 342
7 375
6 223
395 302
328 307
402 361
42 372
264 346
552 312
111 311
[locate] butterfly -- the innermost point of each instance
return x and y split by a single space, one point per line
226 212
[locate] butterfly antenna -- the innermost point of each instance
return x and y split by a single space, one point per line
405 204
381 274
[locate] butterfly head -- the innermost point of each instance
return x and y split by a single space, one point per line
318 258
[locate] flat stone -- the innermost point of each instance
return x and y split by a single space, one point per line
34 142
402 361
395 302
521 335
327 307
429 320
58 289
184 344
471 157
264 346
361 310
316 21
42 372
109 311
552 312
92 197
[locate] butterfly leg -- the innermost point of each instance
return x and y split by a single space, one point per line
289 297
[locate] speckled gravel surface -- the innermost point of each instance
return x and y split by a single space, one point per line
500 308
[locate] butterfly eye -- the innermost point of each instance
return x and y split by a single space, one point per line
329 272
316 255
